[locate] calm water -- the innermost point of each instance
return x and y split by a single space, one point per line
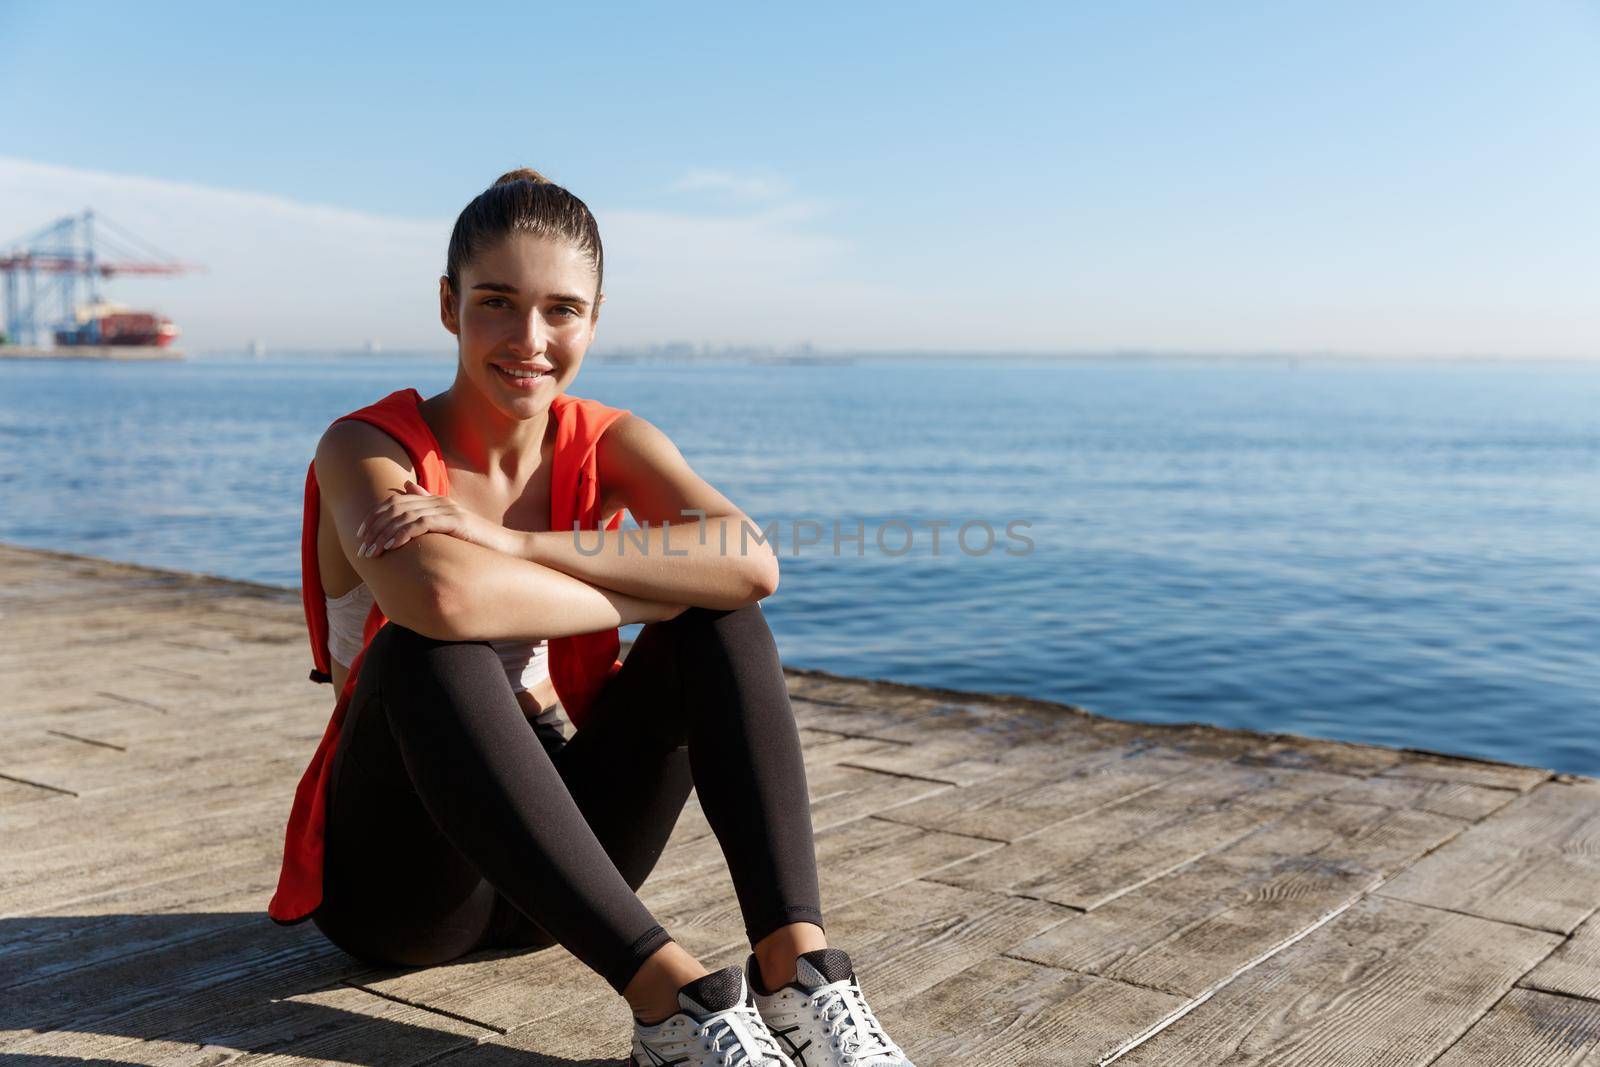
1398 553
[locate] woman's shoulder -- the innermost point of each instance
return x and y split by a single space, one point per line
382 428
626 437
355 436
634 449
351 442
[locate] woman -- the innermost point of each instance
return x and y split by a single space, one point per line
453 600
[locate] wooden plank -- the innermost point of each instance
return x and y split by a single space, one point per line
1455 799
85 875
825 746
1013 806
239 962
1563 816
130 920
854 720
907 941
139 806
19 800
1320 754
957 761
984 724
840 793
1196 928
334 1024
590 1033
149 803
1084 863
1005 1012
60 762
1536 889
1535 862
1468 772
1574 968
1384 983
505 989
1530 1029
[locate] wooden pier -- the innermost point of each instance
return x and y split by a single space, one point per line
1019 882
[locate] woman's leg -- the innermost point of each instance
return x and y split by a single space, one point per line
440 783
700 700
711 681
704 690
395 890
704 693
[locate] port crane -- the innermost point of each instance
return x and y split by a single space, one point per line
45 270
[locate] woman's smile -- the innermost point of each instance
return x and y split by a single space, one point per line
519 377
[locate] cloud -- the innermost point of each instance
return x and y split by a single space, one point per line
301 275
739 186
753 262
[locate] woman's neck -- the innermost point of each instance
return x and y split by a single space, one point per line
477 436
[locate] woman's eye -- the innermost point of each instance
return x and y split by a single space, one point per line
567 309
497 301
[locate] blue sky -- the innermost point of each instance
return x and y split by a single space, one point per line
1383 178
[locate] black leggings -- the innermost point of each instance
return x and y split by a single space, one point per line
453 824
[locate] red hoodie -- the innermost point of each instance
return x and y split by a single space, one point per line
579 664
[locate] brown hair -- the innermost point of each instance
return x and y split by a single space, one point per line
523 201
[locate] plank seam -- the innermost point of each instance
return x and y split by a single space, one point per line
1468 914
1113 802
1209 993
87 740
132 700
951 833
898 774
37 785
457 1016
1471 1025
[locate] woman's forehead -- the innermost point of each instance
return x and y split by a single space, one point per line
528 261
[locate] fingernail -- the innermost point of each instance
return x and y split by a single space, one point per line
389 542
361 529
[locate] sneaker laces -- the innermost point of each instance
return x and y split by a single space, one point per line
859 1035
738 1053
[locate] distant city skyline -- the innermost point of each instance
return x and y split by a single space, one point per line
1363 179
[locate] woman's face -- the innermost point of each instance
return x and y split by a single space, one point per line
527 303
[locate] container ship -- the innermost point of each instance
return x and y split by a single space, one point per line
51 280
106 323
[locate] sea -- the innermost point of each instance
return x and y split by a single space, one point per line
1398 552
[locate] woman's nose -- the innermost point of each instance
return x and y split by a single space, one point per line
530 335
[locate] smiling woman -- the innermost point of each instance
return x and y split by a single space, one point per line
448 600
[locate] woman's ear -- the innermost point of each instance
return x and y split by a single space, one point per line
447 306
594 316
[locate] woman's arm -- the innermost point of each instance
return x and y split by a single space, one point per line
447 588
642 470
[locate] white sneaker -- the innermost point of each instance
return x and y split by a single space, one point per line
718 1027
821 1017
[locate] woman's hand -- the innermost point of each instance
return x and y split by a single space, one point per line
411 514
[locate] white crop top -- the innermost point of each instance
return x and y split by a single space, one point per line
526 664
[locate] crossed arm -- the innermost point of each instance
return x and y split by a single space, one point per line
482 581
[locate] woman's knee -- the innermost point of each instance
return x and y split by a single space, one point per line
407 660
727 624
737 641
